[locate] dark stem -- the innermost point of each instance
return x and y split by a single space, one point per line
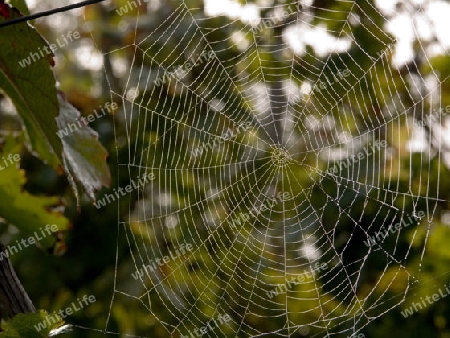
13 297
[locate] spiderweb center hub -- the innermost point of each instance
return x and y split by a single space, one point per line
280 157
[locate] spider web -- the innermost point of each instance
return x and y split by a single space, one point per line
255 145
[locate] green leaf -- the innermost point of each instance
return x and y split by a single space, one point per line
28 212
31 325
31 87
21 5
84 156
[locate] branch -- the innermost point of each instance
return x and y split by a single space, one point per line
48 13
13 297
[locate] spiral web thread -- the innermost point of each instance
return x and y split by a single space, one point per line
244 200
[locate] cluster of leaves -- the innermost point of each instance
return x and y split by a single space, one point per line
42 110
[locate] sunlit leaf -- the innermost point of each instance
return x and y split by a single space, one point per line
28 212
84 156
27 78
26 325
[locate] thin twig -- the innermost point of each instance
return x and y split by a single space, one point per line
49 12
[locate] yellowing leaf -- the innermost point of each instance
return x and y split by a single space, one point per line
28 212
